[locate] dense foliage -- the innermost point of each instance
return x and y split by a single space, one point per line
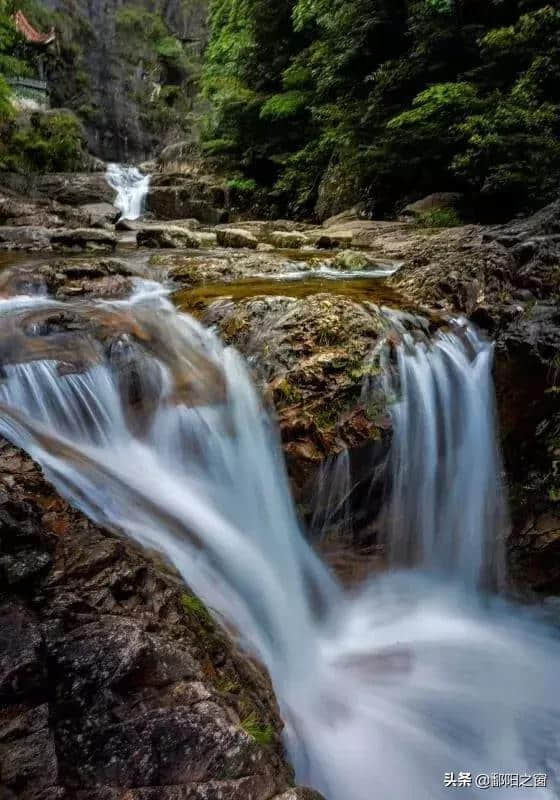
327 102
147 45
42 142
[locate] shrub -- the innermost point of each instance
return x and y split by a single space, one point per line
243 185
46 143
261 733
438 218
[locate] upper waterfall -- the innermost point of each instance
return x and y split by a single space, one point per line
131 187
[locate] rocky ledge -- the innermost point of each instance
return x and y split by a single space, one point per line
115 681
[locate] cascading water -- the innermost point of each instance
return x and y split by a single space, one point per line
159 432
447 510
131 187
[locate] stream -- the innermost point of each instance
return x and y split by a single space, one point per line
143 419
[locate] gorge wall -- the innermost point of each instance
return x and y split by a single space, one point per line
140 63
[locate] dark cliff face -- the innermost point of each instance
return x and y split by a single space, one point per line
138 100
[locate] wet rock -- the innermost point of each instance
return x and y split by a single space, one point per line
110 685
299 793
535 553
24 238
309 354
290 240
73 188
28 762
83 239
22 667
353 260
331 239
167 236
236 237
99 215
432 202
338 190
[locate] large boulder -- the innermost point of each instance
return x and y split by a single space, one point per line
99 215
168 236
290 240
236 237
338 191
73 189
433 202
353 260
182 152
308 353
83 239
179 196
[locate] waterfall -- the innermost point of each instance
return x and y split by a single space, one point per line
131 187
447 510
157 431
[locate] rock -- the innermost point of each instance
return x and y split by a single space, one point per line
22 670
290 240
83 239
353 214
305 351
177 196
264 247
110 686
24 238
179 152
97 164
437 200
98 268
338 191
193 224
127 225
100 215
207 238
27 752
147 167
167 236
236 237
299 793
74 188
353 260
331 239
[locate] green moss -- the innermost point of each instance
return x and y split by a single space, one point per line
288 392
438 218
195 608
262 733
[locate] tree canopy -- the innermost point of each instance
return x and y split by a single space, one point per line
387 100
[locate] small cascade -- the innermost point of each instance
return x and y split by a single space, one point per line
331 498
144 420
131 187
447 510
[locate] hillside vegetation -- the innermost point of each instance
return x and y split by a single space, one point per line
327 102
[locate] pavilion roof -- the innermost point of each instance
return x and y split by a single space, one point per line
32 35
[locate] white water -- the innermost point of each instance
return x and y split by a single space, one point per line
383 690
131 187
447 511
